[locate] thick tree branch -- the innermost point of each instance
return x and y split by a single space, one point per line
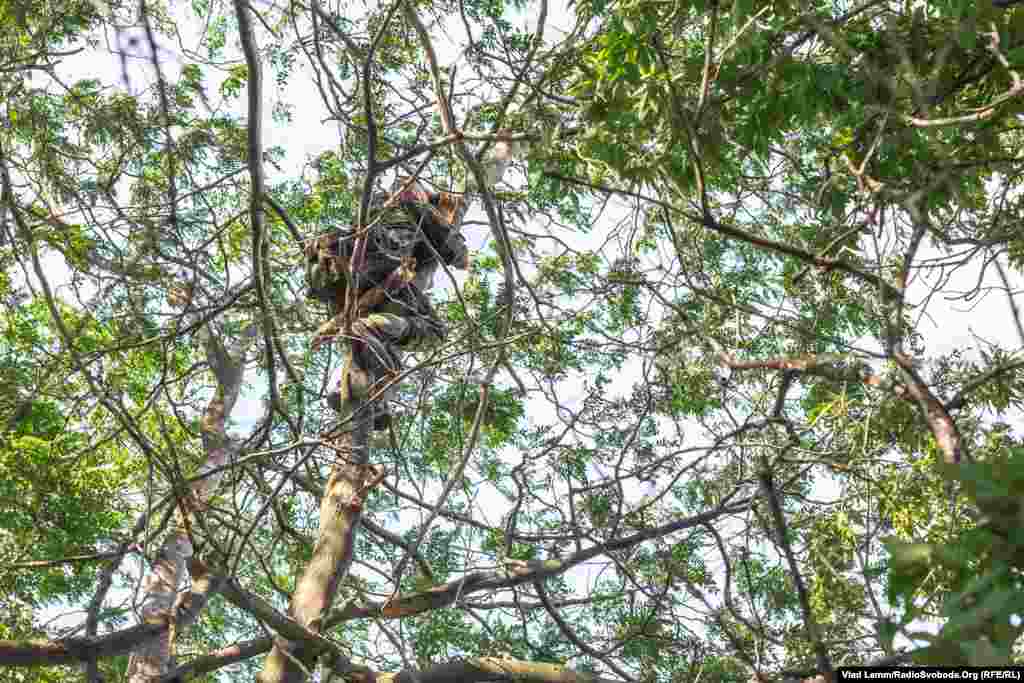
480 669
20 653
782 539
312 642
519 572
225 656
940 422
153 659
340 512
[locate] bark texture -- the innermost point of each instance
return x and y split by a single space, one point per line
340 511
479 669
24 653
154 658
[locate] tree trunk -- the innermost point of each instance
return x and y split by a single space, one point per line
154 658
340 511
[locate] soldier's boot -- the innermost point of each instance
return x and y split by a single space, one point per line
381 414
376 338
422 333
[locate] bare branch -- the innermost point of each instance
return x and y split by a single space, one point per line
782 539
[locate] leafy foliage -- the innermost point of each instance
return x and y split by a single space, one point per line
727 425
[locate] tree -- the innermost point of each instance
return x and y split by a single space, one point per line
692 419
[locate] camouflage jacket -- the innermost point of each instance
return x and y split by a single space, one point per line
406 234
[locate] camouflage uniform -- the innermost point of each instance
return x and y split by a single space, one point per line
396 261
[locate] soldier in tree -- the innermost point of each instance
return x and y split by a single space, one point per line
410 231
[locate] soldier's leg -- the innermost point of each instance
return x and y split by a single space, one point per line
372 360
352 380
423 333
379 336
409 333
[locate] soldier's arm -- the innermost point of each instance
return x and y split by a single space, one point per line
444 236
455 252
446 239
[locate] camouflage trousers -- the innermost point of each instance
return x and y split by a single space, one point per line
373 361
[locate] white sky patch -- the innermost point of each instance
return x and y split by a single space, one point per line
950 323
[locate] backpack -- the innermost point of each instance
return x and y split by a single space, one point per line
397 236
328 258
326 266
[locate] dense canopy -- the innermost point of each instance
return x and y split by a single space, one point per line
731 391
